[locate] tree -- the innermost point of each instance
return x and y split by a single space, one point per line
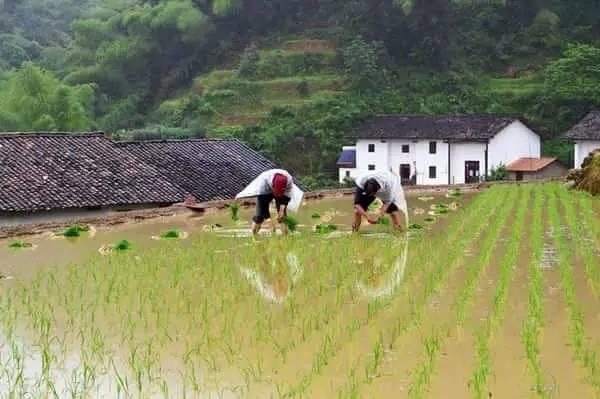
361 64
576 74
249 62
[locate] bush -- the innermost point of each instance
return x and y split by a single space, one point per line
499 173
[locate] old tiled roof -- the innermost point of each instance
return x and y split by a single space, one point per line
587 129
206 169
43 171
440 127
529 164
347 159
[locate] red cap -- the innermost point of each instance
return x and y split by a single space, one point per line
279 184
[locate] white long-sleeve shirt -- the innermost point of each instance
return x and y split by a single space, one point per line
390 190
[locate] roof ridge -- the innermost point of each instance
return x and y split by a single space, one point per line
155 141
13 135
475 115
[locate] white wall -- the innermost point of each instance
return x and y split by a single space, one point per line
583 149
397 157
342 174
425 160
462 152
513 142
379 158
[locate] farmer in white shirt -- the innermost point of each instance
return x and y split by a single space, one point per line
277 185
383 185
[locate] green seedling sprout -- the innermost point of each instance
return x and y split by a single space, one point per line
234 208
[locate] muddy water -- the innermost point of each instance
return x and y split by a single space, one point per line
218 315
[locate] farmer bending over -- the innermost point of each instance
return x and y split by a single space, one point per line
275 184
385 186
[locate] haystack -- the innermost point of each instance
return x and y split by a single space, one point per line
589 178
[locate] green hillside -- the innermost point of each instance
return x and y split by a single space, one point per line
290 77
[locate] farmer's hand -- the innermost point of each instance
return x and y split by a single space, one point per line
373 218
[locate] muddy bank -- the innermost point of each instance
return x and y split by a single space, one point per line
112 218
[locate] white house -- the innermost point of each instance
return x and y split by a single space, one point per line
586 136
439 150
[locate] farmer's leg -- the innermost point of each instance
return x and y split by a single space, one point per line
363 201
394 212
262 212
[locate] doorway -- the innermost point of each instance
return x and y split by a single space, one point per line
405 173
519 176
472 172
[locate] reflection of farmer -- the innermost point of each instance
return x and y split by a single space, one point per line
275 184
385 186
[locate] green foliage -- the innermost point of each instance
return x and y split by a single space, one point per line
34 99
498 173
361 64
249 62
576 74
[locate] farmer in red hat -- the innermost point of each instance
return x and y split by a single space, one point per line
275 184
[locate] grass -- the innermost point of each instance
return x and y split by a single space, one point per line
294 317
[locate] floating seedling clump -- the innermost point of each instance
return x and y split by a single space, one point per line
325 228
234 209
429 219
20 245
415 226
457 192
122 245
384 221
75 230
171 234
316 215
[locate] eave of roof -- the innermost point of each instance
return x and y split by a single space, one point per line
530 164
588 129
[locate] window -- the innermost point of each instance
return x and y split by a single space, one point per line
433 147
347 173
405 149
432 172
371 167
371 147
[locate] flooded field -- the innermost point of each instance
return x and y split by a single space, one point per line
493 295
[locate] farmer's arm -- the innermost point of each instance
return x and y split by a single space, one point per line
281 211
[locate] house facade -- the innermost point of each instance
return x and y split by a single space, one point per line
536 169
440 150
585 137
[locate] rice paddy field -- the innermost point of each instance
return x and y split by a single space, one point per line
486 295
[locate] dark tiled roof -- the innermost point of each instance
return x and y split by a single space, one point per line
207 169
440 127
587 129
43 171
529 164
347 159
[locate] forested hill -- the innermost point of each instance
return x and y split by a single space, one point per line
288 76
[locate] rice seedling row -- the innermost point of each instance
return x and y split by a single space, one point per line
483 369
422 373
587 231
534 321
586 356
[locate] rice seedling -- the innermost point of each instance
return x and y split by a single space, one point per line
291 223
316 215
324 228
234 210
170 234
122 245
